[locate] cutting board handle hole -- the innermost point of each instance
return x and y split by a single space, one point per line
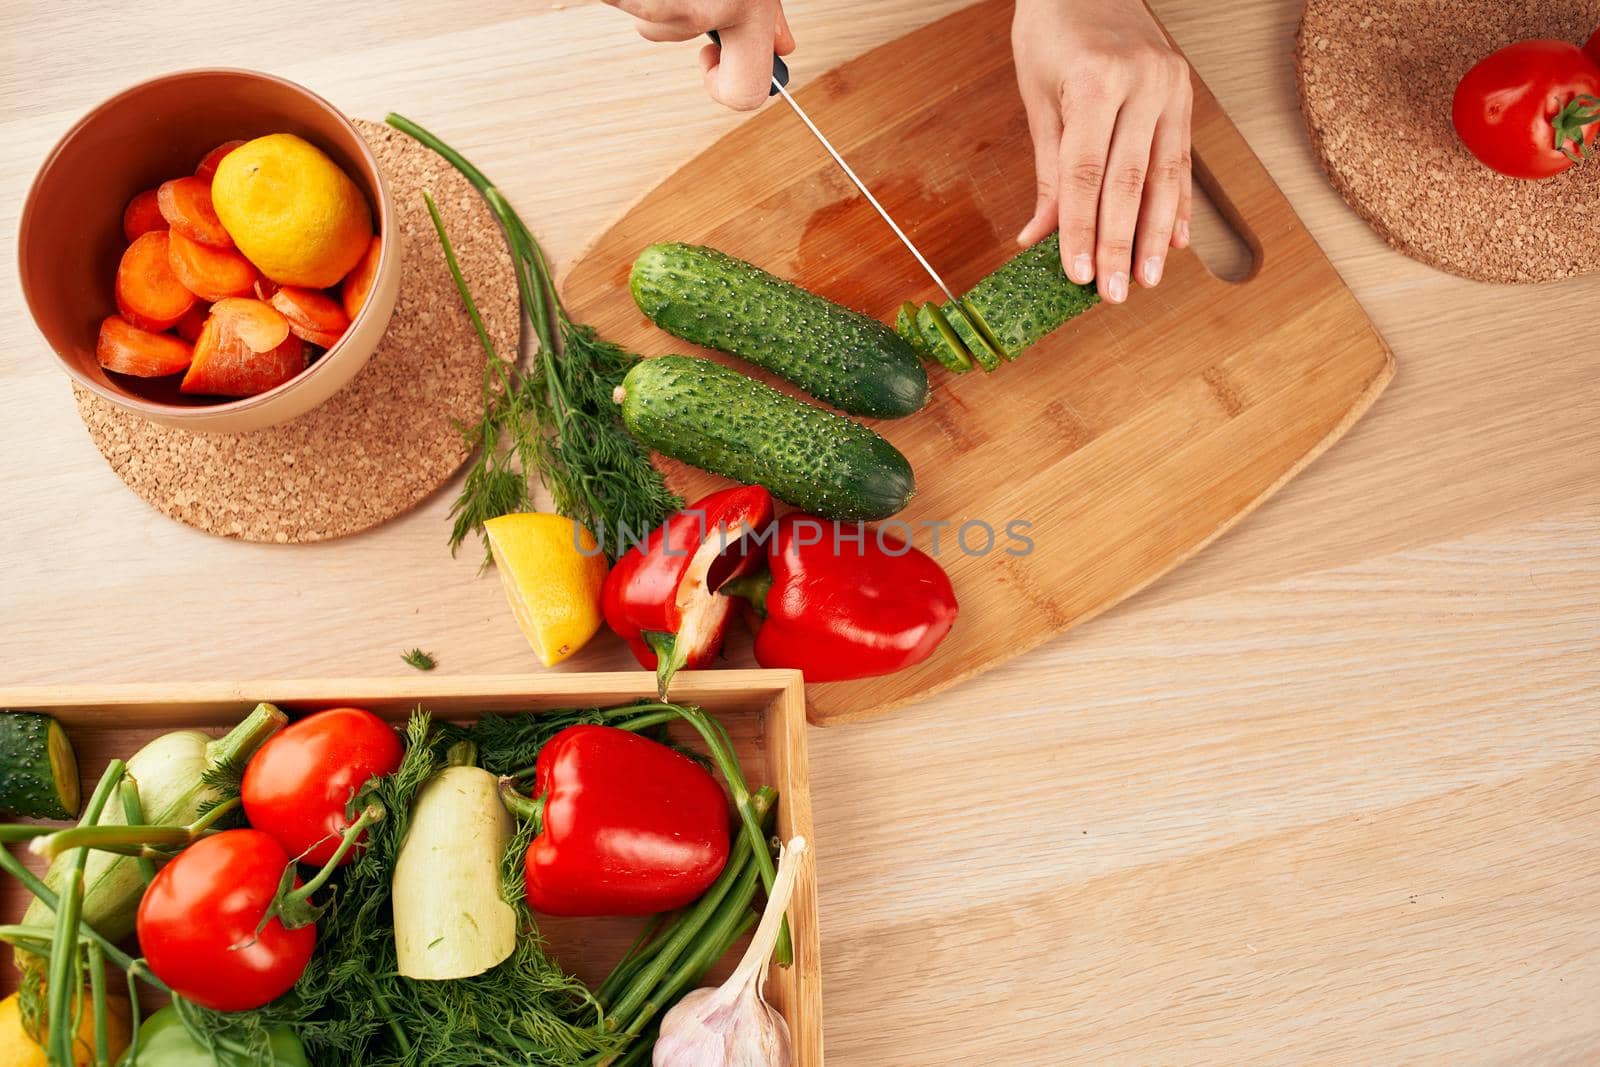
1225 252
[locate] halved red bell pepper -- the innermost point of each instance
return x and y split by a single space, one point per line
627 826
846 602
661 596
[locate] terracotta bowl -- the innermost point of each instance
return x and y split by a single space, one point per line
71 236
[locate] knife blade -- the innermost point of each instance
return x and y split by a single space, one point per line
780 81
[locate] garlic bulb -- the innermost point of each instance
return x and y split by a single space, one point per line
732 1025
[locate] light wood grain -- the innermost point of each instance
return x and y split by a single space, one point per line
763 712
1128 439
1389 668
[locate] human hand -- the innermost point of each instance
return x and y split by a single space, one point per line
739 74
1108 102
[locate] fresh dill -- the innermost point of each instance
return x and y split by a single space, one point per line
554 423
226 780
419 659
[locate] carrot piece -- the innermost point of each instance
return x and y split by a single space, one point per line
358 283
260 326
190 325
148 291
225 365
313 316
141 216
209 273
126 349
208 166
186 205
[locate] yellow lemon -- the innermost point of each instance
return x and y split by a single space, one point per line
292 211
552 571
17 1049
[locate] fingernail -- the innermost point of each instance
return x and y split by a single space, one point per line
1117 287
1181 232
1152 270
1083 269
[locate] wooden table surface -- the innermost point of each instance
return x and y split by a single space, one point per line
1327 794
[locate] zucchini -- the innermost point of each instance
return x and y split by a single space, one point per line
719 420
450 920
971 339
942 340
38 770
1028 297
840 356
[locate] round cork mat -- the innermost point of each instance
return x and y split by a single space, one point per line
389 438
1376 81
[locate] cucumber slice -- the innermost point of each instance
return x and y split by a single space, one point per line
942 341
984 331
836 354
38 769
717 419
982 354
905 324
1028 297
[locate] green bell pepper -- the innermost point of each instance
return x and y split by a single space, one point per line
165 1042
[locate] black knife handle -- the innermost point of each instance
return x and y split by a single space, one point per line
780 69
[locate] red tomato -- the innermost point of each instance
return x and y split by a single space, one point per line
299 785
1511 107
1592 48
197 924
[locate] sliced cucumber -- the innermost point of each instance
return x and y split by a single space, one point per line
982 354
721 421
38 769
853 362
905 324
942 341
983 330
1028 297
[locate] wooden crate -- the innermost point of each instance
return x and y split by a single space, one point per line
763 711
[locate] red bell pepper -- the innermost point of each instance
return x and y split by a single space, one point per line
846 602
661 596
627 826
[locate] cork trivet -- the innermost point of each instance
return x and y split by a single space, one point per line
1376 81
385 441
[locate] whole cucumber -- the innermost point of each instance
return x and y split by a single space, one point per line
721 421
840 356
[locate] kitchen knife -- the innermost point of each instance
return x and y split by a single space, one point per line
780 81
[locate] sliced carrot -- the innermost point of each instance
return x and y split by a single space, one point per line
313 316
208 166
148 291
358 283
190 325
126 349
260 326
224 364
209 273
186 205
142 215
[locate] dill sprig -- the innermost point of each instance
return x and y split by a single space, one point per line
419 659
226 779
556 422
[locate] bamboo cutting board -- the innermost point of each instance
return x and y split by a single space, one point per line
1126 441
